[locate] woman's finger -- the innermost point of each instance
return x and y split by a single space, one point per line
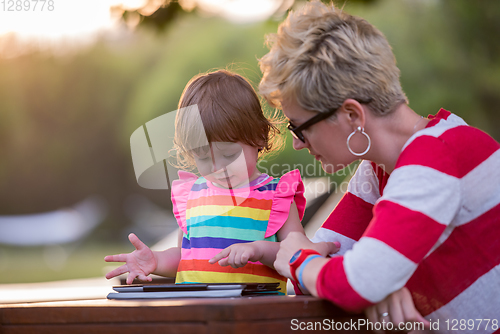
333 247
371 314
382 315
395 310
410 312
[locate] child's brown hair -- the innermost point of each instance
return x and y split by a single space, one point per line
230 111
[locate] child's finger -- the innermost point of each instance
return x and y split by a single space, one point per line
144 278
116 258
131 277
138 244
224 262
231 259
244 259
237 260
222 254
118 271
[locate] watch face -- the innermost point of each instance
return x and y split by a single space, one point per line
295 256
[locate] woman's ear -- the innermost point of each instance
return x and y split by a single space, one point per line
354 113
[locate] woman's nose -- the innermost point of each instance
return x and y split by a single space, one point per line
298 144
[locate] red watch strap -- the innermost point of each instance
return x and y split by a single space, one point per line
305 253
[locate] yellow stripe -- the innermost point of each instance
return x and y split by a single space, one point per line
219 210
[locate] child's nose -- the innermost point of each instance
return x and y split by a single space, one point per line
217 165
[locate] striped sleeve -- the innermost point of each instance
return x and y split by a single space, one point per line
351 216
420 199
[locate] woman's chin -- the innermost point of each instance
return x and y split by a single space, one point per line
328 168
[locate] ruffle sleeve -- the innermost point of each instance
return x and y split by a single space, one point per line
289 189
180 195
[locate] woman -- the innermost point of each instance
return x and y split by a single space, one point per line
422 211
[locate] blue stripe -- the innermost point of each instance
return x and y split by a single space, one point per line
267 187
227 221
198 187
208 242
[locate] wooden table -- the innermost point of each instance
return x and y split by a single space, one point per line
269 314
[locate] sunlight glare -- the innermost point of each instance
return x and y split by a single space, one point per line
241 11
68 18
78 22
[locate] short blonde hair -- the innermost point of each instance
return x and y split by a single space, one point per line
322 56
229 110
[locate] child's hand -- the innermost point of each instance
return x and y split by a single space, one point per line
140 263
237 255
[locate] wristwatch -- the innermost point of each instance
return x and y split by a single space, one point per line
298 258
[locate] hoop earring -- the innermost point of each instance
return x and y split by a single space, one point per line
362 130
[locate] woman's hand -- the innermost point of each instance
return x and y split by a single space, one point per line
140 263
238 255
396 308
295 241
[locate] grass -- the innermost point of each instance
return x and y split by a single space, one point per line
53 263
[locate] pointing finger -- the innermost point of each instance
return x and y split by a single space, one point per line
222 254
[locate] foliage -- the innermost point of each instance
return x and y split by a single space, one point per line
66 121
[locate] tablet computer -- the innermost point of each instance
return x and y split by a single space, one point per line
158 291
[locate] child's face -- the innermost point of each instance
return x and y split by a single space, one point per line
228 165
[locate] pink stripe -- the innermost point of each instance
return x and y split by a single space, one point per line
332 284
202 254
254 194
471 147
350 209
199 253
470 251
409 232
430 152
382 177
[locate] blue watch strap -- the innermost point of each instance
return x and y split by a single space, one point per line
303 265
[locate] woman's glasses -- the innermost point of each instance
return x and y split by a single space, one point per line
297 130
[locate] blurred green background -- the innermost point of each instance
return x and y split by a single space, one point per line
66 118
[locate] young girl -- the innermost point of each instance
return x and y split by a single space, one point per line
232 217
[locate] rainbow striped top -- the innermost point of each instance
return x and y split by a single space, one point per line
214 218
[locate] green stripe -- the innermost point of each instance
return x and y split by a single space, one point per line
226 221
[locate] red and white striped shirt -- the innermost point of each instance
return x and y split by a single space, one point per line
433 226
